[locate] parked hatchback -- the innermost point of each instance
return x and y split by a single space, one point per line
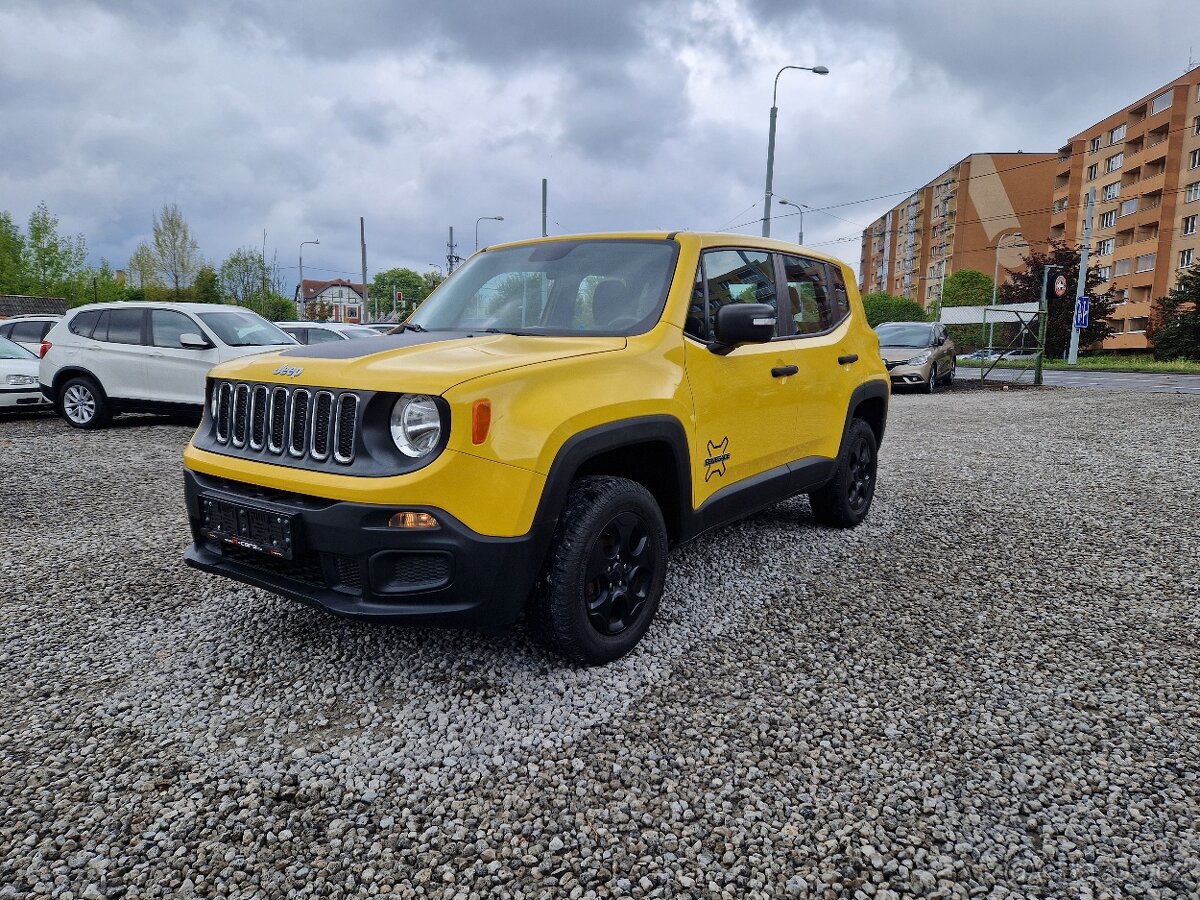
109 358
28 331
322 332
18 378
917 354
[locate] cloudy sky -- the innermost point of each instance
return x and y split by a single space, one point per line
298 118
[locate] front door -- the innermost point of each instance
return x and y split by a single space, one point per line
176 373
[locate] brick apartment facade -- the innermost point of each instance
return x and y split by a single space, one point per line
957 221
1144 163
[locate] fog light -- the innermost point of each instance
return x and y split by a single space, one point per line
411 519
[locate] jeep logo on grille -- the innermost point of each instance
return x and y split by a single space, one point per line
289 371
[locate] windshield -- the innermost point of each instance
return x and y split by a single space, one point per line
904 335
9 350
576 287
243 328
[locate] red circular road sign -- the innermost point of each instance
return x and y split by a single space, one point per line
1060 286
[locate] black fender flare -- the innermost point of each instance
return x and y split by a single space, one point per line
876 389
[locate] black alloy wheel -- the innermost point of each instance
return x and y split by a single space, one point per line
845 500
604 572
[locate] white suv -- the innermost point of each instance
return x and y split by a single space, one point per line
28 331
108 358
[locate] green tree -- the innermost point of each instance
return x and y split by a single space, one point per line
967 287
51 263
206 288
12 244
275 307
882 307
1175 319
1025 286
143 269
245 278
384 285
177 252
319 311
99 285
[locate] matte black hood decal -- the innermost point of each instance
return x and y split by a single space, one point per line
356 349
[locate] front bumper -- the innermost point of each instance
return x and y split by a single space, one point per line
22 397
910 376
349 562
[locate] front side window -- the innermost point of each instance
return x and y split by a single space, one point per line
243 328
167 325
569 288
738 276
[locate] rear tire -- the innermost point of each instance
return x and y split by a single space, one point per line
949 379
83 404
605 571
845 500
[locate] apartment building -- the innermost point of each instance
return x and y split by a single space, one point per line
986 209
1144 164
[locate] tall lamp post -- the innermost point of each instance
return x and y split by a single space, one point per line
484 219
816 70
996 275
800 207
303 305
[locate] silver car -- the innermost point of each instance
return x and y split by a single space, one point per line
917 354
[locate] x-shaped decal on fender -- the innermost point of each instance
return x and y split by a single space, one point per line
717 455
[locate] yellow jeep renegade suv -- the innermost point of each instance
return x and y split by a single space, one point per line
544 427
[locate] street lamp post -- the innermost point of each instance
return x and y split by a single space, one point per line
303 305
481 219
800 208
438 266
816 70
996 276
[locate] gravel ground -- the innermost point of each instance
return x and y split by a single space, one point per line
992 688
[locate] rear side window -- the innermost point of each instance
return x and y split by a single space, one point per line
31 332
83 323
809 304
125 326
5 330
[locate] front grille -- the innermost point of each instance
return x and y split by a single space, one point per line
306 567
274 420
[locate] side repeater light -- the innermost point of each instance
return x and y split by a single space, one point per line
481 421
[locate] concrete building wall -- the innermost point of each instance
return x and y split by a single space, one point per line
1142 163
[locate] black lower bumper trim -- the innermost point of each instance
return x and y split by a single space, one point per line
347 560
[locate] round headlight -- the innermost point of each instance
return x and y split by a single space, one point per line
416 425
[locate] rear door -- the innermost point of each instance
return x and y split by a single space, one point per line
117 356
176 374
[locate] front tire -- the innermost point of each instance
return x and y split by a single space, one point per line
605 571
949 379
83 404
845 500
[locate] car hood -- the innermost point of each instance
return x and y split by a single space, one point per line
901 354
17 367
412 362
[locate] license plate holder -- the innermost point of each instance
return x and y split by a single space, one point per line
243 525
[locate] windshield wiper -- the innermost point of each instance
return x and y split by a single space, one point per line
411 326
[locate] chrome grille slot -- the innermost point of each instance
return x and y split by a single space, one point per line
258 417
298 422
312 426
278 422
241 414
224 409
322 417
344 428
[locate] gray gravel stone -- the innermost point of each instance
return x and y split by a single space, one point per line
988 690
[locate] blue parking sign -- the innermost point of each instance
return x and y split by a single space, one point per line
1082 308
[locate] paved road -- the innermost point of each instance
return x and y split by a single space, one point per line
1107 381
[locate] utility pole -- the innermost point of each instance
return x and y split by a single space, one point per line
544 191
451 256
1043 315
362 240
1081 280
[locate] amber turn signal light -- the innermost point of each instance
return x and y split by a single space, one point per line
481 421
412 519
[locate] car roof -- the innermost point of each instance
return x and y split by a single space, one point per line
38 317
165 304
705 239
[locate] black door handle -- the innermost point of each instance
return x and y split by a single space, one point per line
848 358
783 371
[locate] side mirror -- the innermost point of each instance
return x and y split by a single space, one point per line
941 340
191 341
743 323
